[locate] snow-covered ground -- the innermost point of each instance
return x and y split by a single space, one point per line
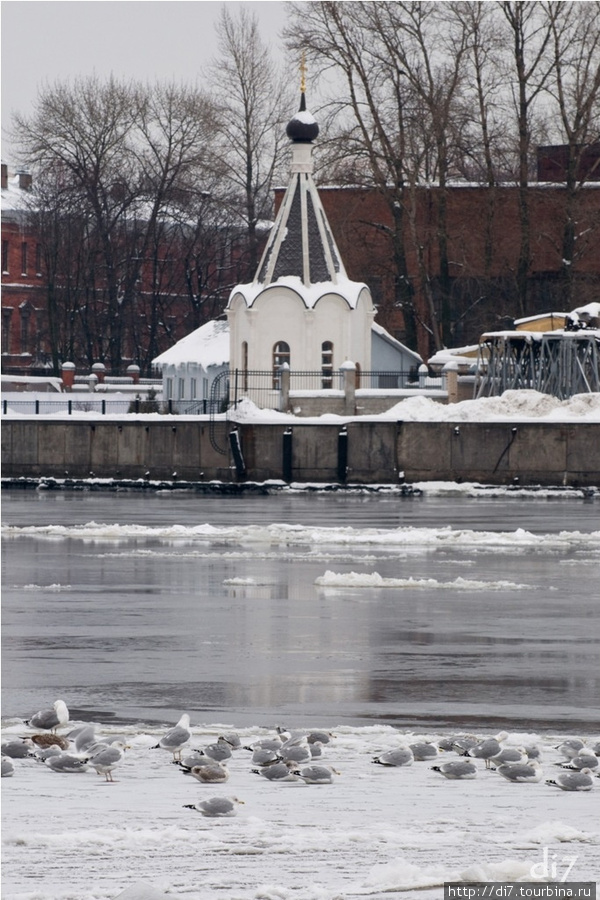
374 832
513 406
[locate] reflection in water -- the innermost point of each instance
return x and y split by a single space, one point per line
148 628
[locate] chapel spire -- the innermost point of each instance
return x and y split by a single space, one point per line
301 243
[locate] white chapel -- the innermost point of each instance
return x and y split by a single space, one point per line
301 308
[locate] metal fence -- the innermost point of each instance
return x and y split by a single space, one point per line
263 388
107 406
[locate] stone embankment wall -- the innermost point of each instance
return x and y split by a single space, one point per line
362 452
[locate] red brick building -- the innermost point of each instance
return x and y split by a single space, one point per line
184 282
23 285
483 237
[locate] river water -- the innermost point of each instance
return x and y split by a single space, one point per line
438 609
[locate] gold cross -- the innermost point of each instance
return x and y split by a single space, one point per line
303 74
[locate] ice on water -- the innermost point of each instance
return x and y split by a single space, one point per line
373 831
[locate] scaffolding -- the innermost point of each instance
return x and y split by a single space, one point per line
569 363
560 363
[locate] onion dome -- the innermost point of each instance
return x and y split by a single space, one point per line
302 127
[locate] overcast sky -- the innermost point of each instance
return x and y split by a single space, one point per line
43 41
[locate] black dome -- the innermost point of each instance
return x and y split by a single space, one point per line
302 128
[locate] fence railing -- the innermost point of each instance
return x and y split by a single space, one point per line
263 388
106 406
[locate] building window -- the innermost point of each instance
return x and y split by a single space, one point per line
24 258
281 355
6 316
181 388
38 259
169 388
358 372
327 364
193 388
205 388
5 246
24 330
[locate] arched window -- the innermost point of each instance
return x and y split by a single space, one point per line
327 364
281 355
358 373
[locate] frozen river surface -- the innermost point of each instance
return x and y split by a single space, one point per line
381 618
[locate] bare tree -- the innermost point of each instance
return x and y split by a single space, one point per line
574 87
403 68
254 103
528 70
123 150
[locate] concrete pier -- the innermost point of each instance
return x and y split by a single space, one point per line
359 452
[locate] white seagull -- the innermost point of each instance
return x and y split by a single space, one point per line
106 758
216 807
456 769
176 738
573 781
50 719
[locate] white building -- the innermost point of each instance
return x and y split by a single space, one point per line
191 365
300 309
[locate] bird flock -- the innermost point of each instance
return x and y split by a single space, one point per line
286 756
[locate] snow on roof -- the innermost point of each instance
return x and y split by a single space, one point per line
14 197
541 317
207 345
311 294
591 309
382 332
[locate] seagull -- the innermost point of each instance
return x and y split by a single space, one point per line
297 753
44 753
209 773
216 807
462 745
423 750
401 756
282 771
196 758
573 781
456 769
533 752
83 738
8 767
316 774
66 763
587 760
271 743
319 737
571 747
17 749
176 738
232 739
50 719
264 757
522 772
50 740
488 748
106 758
510 756
218 751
